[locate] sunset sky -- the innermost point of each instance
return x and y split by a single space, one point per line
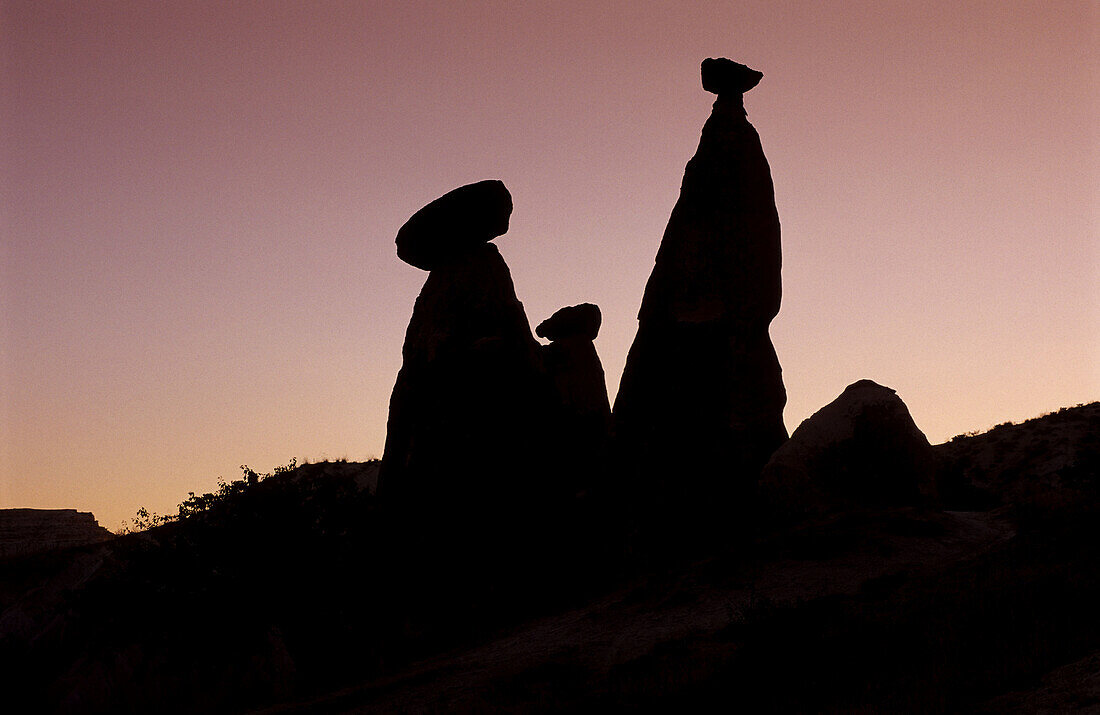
199 203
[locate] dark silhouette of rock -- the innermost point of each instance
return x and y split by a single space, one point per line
701 398
30 531
722 76
863 448
448 227
471 390
581 419
573 321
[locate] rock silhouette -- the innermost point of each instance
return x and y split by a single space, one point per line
701 398
29 531
726 77
581 321
480 577
470 390
448 227
863 448
581 419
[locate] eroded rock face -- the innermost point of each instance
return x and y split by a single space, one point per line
450 226
574 368
702 382
29 531
470 390
863 448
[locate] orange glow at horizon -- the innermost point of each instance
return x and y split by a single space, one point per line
199 203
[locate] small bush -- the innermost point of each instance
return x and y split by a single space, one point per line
196 504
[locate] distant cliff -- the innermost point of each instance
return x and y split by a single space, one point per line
30 531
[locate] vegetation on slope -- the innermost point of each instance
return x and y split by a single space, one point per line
285 586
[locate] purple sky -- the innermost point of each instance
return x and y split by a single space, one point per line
199 202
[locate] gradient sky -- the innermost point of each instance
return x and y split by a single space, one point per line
199 202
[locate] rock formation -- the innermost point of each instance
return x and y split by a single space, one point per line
701 398
30 531
576 321
470 395
863 448
581 419
450 226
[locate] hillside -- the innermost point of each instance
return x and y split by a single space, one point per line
1049 457
301 592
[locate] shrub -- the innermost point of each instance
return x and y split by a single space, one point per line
196 504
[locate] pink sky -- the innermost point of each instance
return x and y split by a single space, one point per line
199 203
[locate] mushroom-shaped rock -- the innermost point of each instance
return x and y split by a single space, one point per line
863 448
700 403
573 321
722 76
574 367
580 420
450 226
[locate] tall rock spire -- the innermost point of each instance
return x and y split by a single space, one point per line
701 400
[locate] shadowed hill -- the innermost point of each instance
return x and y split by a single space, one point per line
1056 456
292 592
272 586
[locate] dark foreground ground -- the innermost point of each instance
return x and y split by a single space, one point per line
300 593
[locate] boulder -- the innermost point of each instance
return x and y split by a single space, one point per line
573 321
722 76
453 224
700 403
862 449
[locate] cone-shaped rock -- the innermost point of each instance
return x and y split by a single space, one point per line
470 396
863 448
702 396
448 227
581 419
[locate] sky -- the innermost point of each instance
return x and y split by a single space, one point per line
199 204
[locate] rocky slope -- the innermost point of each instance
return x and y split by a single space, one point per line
1049 458
294 596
